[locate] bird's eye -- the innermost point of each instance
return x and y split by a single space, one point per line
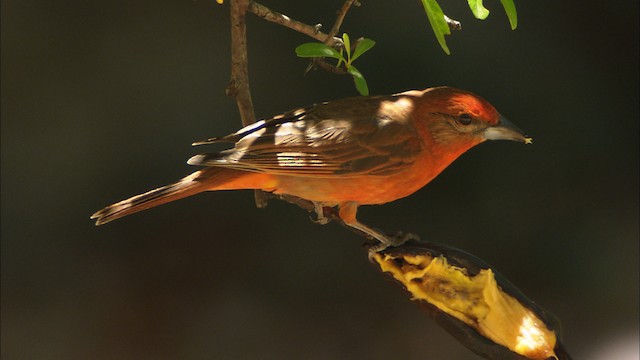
465 119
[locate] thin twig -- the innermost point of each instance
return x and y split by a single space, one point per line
322 64
341 14
454 25
281 19
319 62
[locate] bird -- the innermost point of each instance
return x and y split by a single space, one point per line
365 150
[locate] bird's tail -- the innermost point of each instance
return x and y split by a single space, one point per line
197 182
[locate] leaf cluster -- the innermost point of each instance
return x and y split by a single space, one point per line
440 25
345 57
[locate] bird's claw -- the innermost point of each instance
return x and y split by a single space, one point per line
320 218
400 238
392 241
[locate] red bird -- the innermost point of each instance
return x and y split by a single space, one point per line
345 153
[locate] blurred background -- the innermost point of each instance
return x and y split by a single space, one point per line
101 101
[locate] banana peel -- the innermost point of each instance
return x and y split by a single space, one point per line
476 305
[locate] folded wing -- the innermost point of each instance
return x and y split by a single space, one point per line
357 136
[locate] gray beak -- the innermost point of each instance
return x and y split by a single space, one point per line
505 130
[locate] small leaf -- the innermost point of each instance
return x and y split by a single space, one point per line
437 21
478 10
510 9
363 46
317 50
341 58
358 79
347 46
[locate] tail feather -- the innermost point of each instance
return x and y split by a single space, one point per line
211 178
188 186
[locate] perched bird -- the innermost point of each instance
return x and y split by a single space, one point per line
356 151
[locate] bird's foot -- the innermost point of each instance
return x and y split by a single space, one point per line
401 237
320 218
392 241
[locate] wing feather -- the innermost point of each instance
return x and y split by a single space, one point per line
364 135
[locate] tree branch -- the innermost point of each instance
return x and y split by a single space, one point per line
239 84
341 14
281 19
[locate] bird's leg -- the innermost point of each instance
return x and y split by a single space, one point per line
318 207
348 212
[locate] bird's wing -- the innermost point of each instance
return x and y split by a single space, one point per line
365 135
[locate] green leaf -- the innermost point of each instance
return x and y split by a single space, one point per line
510 9
341 59
363 46
358 79
437 21
347 46
317 50
478 10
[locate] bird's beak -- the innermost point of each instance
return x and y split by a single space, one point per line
505 130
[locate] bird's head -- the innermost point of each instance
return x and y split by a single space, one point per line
453 117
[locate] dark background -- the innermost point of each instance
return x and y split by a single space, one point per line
101 100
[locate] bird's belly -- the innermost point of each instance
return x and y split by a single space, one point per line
363 189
